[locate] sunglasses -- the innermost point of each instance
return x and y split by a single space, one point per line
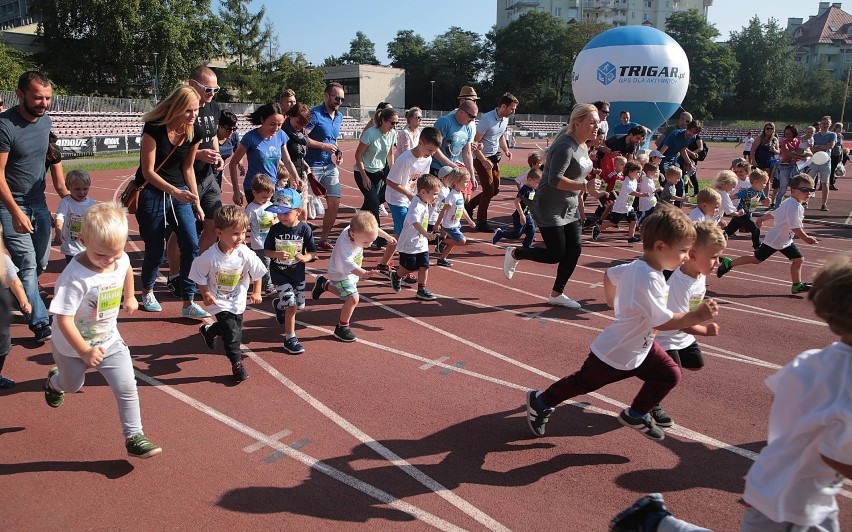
469 115
229 128
206 89
809 190
339 99
416 117
394 123
604 112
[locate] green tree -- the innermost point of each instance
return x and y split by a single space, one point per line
362 51
456 59
766 64
12 64
409 50
244 44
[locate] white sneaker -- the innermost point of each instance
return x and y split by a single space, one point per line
509 263
563 301
382 210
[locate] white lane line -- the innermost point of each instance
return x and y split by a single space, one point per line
305 459
256 446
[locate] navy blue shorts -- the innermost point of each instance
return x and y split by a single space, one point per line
414 261
616 217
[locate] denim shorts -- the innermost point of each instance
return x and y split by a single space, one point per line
454 233
329 176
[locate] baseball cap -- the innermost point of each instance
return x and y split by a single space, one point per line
655 153
285 200
445 171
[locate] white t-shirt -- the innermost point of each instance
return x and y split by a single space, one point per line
742 184
260 221
685 294
786 217
227 276
410 241
405 171
697 215
435 210
624 201
647 184
70 213
345 257
747 142
640 306
94 300
810 416
727 206
454 214
10 271
521 180
406 140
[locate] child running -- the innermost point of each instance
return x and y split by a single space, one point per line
637 291
788 219
260 220
726 181
709 201
623 207
344 268
85 313
672 191
290 245
534 160
794 481
413 245
223 274
11 286
648 185
69 214
522 220
750 198
451 215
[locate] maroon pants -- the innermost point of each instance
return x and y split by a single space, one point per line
659 372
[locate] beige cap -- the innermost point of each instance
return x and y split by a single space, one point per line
467 93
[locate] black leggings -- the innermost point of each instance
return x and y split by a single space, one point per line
562 246
375 195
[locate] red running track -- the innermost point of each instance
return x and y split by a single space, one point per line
417 425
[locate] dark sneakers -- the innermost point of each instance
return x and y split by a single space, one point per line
175 286
724 266
446 263
239 372
396 282
536 418
424 294
319 287
209 338
645 514
660 417
344 334
42 332
141 447
292 346
6 383
645 426
53 398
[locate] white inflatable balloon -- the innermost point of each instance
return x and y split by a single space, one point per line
635 68
820 158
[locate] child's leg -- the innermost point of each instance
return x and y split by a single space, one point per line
755 233
422 276
593 375
660 374
796 270
72 373
529 232
264 284
290 320
745 259
631 229
449 244
117 369
230 327
734 225
348 308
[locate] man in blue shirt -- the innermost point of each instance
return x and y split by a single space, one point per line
456 146
677 143
324 156
624 127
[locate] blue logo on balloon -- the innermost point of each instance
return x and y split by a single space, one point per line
606 73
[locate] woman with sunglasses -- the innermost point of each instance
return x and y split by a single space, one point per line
410 134
229 139
373 157
764 149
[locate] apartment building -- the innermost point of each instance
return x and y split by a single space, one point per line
614 12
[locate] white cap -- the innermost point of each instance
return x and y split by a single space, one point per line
445 171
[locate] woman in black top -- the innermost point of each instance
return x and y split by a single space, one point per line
298 118
170 141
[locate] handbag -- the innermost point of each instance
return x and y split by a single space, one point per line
130 195
317 188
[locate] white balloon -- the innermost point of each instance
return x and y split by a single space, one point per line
820 157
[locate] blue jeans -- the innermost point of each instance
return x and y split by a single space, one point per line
527 229
29 253
155 208
785 175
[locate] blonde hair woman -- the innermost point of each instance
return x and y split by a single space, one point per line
410 134
557 209
170 139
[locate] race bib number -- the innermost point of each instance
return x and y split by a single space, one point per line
695 302
264 223
457 216
109 301
291 247
227 282
359 259
75 224
531 195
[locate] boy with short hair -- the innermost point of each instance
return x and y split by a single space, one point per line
788 219
85 311
289 245
750 198
260 220
623 207
626 348
741 169
708 202
672 191
413 244
522 220
223 274
647 184
69 214
344 268
535 160
726 181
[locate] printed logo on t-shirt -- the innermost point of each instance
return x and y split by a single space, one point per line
694 302
75 224
359 258
227 281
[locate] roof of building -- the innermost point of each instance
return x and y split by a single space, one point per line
831 26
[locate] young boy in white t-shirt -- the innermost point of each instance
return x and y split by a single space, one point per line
223 274
707 209
260 220
623 207
627 348
69 214
85 314
345 268
11 286
451 214
794 481
725 183
648 184
788 219
413 244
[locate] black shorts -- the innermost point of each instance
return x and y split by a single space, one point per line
210 196
616 217
689 357
764 252
414 261
746 154
776 184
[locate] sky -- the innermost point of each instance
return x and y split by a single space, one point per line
322 29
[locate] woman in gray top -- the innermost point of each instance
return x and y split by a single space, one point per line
556 204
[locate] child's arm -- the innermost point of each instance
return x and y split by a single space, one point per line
804 236
520 208
390 238
759 222
58 224
443 212
206 295
255 297
401 189
841 468
609 291
17 290
131 305
92 356
468 218
710 329
422 231
681 320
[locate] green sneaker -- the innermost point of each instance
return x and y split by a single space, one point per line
724 266
53 398
140 447
799 288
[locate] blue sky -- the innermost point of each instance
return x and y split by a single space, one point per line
321 29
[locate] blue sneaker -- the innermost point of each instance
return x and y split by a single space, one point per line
150 303
498 234
292 346
194 312
645 514
6 383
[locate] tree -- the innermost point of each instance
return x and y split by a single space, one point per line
362 51
12 64
409 50
245 40
456 59
766 64
711 66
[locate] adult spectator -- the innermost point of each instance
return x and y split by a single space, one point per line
682 121
747 142
603 113
373 157
556 207
457 138
837 153
170 139
692 152
297 119
323 131
228 138
824 140
764 148
24 138
490 132
623 126
262 147
287 100
410 134
467 94
676 144
791 152
628 144
376 121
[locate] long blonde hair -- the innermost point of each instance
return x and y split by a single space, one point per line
578 114
174 106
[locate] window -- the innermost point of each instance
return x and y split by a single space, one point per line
649 4
351 86
557 11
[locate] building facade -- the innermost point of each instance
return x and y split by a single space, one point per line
614 12
826 36
369 85
15 13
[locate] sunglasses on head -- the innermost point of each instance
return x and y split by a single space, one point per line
809 190
206 89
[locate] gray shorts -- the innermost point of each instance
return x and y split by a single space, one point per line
329 176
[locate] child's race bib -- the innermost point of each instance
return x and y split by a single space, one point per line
359 259
457 216
227 282
109 302
291 246
264 222
75 224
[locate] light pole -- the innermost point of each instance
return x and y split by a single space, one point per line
156 81
432 99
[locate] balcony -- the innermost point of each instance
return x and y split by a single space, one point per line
597 5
